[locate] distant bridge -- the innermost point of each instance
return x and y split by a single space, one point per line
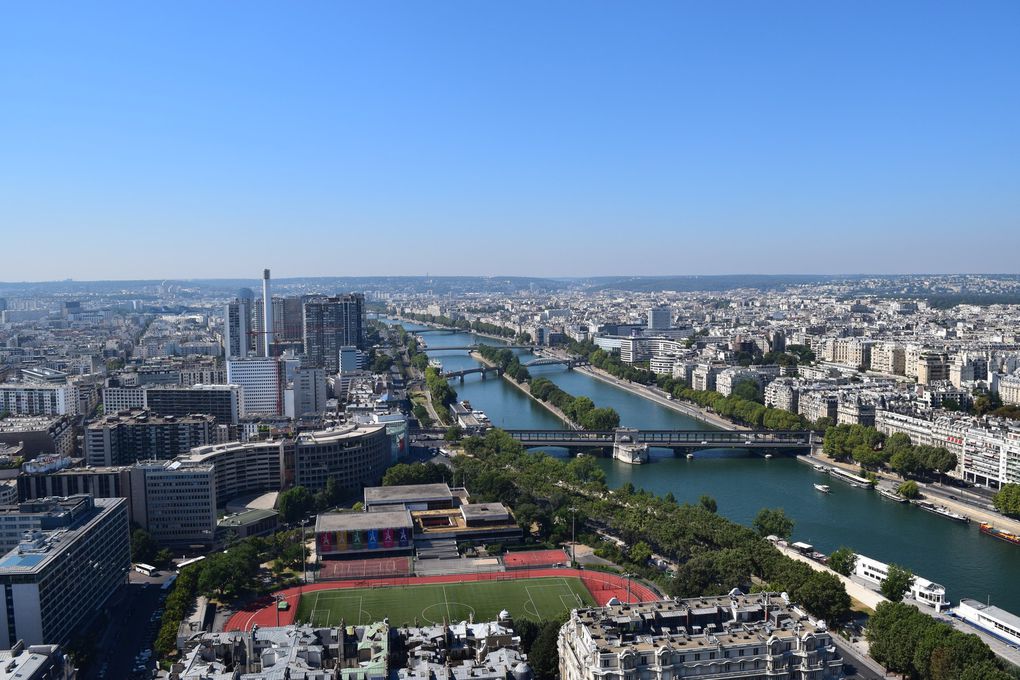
468 371
689 440
569 362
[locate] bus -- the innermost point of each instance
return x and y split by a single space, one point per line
187 563
146 569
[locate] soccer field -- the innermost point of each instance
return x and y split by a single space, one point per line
537 599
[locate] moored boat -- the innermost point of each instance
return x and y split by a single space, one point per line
851 479
891 495
942 510
1007 536
819 468
824 488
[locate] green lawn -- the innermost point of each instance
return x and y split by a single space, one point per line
536 599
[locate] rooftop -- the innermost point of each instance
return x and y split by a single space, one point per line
360 521
408 493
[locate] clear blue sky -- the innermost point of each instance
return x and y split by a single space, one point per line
206 139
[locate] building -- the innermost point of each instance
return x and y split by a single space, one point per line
38 434
247 524
990 618
35 399
134 435
364 534
350 360
818 404
703 377
225 403
262 381
735 636
60 576
123 398
306 393
176 502
660 318
991 455
353 456
331 323
1009 389
237 329
889 358
932 367
729 378
36 662
783 393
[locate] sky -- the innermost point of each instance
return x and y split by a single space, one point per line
213 139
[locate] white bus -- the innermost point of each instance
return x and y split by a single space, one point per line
146 569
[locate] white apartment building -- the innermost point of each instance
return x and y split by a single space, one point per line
1009 389
888 357
783 393
703 377
261 380
991 456
729 378
307 392
178 501
123 398
35 399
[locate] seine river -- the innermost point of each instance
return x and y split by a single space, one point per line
953 554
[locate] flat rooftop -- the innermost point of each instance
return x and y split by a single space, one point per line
408 493
360 521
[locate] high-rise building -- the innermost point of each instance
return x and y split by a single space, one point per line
35 399
224 402
267 315
58 577
262 382
331 323
236 329
177 502
660 318
307 392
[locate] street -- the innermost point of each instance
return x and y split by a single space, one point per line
133 628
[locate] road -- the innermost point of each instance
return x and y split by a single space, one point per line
133 627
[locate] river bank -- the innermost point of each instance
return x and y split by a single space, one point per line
937 494
440 327
645 392
523 388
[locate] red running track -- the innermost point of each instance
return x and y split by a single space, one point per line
602 586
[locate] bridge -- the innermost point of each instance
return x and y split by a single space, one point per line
685 440
468 371
569 362
474 347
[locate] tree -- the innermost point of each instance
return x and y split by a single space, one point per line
708 503
1007 499
453 433
382 363
545 658
747 389
908 489
417 473
143 547
640 553
295 503
824 595
601 419
843 560
773 522
896 583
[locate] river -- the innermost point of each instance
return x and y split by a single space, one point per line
956 555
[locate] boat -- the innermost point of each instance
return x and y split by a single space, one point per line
942 510
824 488
891 495
768 456
851 479
989 530
690 455
819 468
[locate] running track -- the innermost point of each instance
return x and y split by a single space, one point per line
602 586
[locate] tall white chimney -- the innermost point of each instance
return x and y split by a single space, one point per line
267 311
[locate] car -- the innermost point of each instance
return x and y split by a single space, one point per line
951 496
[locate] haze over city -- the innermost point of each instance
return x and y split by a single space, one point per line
151 142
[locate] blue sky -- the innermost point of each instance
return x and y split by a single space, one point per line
206 139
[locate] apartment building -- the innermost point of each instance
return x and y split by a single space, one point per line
783 393
177 502
1009 389
35 399
129 436
932 367
225 403
732 637
38 434
991 455
889 358
262 381
818 404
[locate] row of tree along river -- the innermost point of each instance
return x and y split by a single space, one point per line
953 554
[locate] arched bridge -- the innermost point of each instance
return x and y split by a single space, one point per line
549 361
670 439
468 371
474 347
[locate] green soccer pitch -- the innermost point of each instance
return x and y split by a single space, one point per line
537 599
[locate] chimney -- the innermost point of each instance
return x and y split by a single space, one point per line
267 311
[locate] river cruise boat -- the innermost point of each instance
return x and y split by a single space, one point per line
924 591
891 495
824 488
851 479
436 364
989 530
942 510
990 618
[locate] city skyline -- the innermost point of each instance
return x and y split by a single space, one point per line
534 140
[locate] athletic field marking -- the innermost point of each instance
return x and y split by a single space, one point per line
449 616
317 618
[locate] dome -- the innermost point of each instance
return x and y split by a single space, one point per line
522 671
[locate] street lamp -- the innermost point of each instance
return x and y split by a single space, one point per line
573 542
629 576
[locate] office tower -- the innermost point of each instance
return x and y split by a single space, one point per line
660 318
267 314
236 329
262 382
61 574
307 392
331 323
291 313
